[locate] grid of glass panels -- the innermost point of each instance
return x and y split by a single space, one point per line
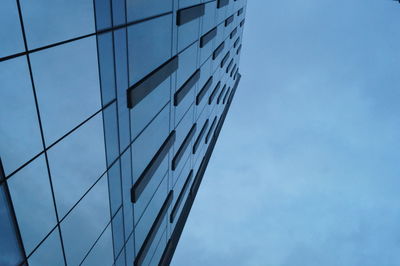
74 147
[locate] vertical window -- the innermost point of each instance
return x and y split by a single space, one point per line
20 134
10 30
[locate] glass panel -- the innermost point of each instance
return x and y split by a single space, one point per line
31 193
148 108
102 252
120 261
114 184
150 214
121 64
130 250
126 191
11 253
10 31
187 64
103 14
118 8
106 64
148 143
188 33
111 132
149 46
159 176
76 163
84 224
118 232
19 127
159 249
139 9
67 82
209 17
49 21
49 252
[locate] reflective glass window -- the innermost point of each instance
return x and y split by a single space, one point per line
149 46
208 19
159 242
139 9
84 224
150 214
11 253
114 185
130 250
19 127
49 21
188 33
148 108
67 82
106 64
31 193
148 143
126 191
120 261
10 30
118 8
102 252
158 177
158 249
77 162
111 132
187 64
118 232
49 252
103 14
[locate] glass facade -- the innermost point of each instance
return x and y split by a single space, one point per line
109 112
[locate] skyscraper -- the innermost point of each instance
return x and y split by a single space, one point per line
109 112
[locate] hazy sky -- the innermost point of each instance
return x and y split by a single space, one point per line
306 170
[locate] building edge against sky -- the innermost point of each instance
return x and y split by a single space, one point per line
109 113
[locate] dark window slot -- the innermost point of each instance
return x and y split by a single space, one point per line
238 49
204 90
233 70
229 21
180 197
153 230
179 154
211 129
240 11
226 57
226 96
152 167
219 49
186 15
222 3
181 93
242 23
200 137
141 89
214 92
236 42
220 95
228 68
206 38
233 33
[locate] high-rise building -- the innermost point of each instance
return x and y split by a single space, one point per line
109 112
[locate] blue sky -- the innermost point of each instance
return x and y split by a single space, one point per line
306 170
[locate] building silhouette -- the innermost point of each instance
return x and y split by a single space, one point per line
109 113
